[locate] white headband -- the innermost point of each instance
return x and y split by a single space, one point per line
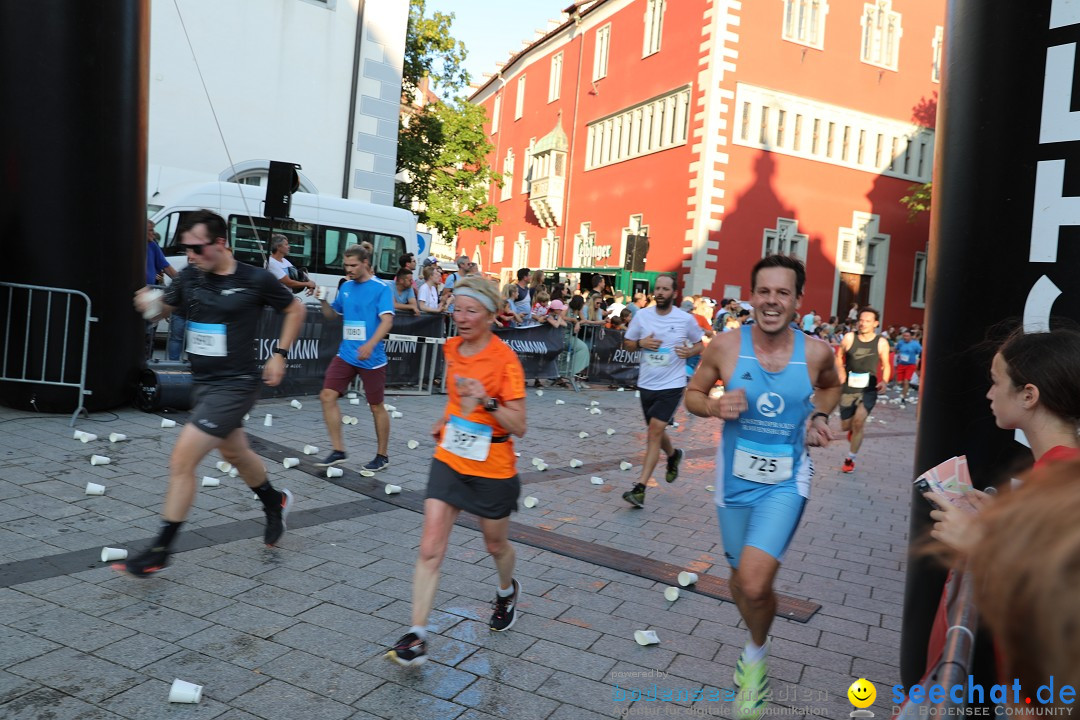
476 295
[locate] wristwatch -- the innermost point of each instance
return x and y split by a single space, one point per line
282 352
816 415
491 404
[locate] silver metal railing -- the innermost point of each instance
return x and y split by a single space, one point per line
47 308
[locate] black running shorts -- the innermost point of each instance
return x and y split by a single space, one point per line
492 498
660 404
220 407
849 402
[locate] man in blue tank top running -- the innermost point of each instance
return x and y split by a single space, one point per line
776 379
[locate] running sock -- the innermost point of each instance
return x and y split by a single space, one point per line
753 653
269 496
167 534
419 631
851 456
507 592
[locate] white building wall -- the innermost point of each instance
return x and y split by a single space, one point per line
279 75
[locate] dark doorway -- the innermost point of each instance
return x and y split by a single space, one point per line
853 289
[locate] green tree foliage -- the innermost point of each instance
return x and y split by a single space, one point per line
918 200
442 145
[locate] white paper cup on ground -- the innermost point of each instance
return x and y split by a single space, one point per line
596 411
542 467
346 420
117 437
710 488
596 480
671 593
167 423
610 431
392 489
537 462
637 393
539 393
625 465
208 481
247 416
367 473
354 401
290 462
575 463
223 466
332 472
687 578
310 449
94 489
583 434
594 403
560 402
388 406
530 502
184 692
646 637
108 553
78 435
395 415
88 437
297 404
413 444
622 389
234 472
99 460
268 421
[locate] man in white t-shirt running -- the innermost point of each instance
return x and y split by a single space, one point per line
666 337
278 264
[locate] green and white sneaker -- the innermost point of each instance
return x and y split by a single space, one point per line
752 681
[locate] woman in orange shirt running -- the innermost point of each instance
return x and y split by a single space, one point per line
474 464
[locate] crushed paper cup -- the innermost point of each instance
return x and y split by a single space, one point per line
610 431
671 593
687 578
94 489
234 472
78 435
297 404
594 403
310 449
560 402
395 415
575 463
537 461
223 466
710 488
517 454
99 460
595 411
583 434
392 489
367 473
646 637
596 480
111 553
625 465
413 444
184 692
268 421
117 437
354 420
388 406
346 420
539 393
542 467
333 472
208 481
354 401
290 462
167 423
530 502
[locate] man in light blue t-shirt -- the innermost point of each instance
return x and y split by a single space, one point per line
908 353
366 305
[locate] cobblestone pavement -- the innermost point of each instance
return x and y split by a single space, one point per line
299 631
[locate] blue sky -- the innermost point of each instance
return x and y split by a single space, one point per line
492 29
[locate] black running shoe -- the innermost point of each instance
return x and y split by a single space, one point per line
335 458
147 563
275 519
673 465
379 463
408 651
504 610
635 497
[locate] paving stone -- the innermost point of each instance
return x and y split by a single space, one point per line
75 629
211 580
431 677
15 605
137 651
52 704
505 702
590 664
235 647
150 701
224 680
77 674
157 621
573 690
277 699
328 644
253 621
477 633
350 623
323 677
12 686
506 669
396 701
277 600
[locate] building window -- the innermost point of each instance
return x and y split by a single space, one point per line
785 239
781 116
939 41
763 131
804 22
508 175
744 130
600 54
555 81
657 124
797 143
549 251
881 33
495 112
527 167
654 26
497 250
519 105
918 282
521 251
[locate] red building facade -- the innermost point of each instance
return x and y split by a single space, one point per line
721 131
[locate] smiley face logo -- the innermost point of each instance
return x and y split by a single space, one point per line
862 693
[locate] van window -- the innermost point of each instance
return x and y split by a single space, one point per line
334 242
250 242
166 228
387 250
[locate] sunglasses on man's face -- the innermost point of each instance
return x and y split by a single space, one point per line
197 249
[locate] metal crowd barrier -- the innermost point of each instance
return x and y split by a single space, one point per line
956 657
429 362
12 369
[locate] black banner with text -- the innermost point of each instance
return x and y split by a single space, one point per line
537 348
609 362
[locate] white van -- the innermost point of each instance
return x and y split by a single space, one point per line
319 231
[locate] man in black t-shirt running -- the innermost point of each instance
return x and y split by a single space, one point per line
222 299
857 360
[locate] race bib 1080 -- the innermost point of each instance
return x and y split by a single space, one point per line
355 330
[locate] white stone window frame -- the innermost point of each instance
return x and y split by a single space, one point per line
876 46
508 175
497 249
868 226
937 46
801 19
654 27
519 101
496 111
601 52
527 168
555 77
521 251
549 250
918 281
632 133
785 239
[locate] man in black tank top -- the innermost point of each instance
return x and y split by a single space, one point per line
858 358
